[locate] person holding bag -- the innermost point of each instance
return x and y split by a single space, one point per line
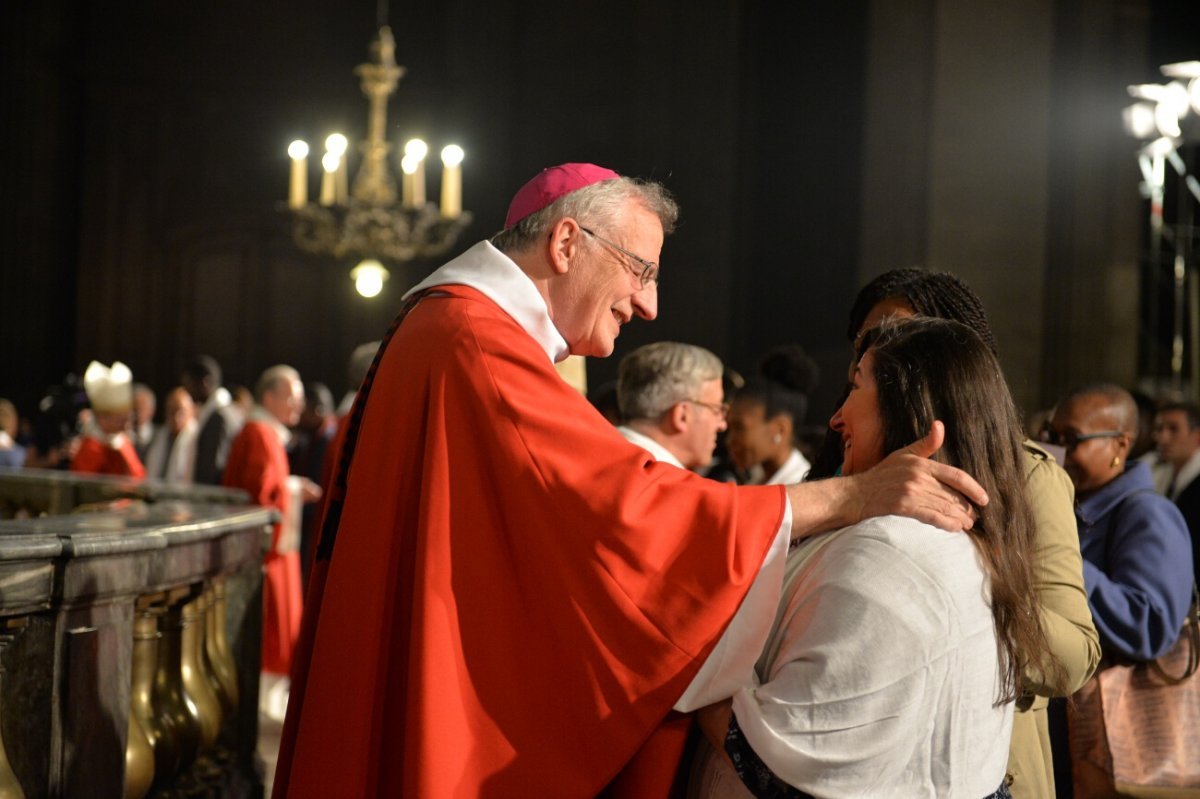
1137 569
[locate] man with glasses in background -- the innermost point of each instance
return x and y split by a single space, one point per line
673 402
509 599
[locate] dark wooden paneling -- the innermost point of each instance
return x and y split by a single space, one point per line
140 222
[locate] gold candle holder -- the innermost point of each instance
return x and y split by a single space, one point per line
139 744
175 709
195 682
143 706
211 667
218 646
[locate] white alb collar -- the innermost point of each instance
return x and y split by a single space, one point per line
260 414
660 453
487 270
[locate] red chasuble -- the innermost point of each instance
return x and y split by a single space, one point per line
258 464
97 457
517 596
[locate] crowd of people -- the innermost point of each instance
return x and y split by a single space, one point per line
512 592
270 442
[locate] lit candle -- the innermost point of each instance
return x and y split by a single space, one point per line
452 157
298 187
341 183
330 162
408 168
415 151
336 144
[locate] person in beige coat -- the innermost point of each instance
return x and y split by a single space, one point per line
1066 618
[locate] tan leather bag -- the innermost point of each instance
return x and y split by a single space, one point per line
1135 730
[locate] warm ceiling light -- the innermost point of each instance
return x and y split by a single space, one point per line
369 277
1139 120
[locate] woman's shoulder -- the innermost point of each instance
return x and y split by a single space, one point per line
1044 476
893 544
871 564
899 532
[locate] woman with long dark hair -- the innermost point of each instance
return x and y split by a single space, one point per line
1058 567
897 653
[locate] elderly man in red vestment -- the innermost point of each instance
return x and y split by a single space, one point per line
509 599
258 463
106 446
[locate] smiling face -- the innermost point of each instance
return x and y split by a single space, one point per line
601 290
752 437
859 420
1093 462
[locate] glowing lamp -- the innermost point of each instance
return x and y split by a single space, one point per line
369 277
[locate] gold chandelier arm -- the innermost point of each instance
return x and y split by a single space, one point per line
374 183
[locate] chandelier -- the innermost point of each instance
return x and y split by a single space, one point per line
369 221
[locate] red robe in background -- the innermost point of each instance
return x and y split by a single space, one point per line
517 595
98 457
329 468
258 464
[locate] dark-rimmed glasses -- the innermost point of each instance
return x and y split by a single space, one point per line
649 273
1070 440
721 409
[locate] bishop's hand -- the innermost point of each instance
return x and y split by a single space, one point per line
908 483
905 483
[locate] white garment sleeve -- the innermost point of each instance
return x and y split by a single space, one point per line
730 667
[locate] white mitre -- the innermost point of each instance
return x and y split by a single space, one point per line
109 390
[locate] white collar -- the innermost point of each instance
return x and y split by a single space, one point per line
114 440
660 453
218 399
487 270
260 414
793 470
1187 473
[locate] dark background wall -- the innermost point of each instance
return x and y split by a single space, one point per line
810 148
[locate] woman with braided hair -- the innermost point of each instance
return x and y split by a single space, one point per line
915 291
1058 566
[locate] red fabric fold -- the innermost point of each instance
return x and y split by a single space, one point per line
517 596
96 457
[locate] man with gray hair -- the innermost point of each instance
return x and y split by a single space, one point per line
507 596
673 403
258 464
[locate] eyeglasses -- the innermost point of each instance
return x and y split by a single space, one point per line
649 273
721 409
1071 440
